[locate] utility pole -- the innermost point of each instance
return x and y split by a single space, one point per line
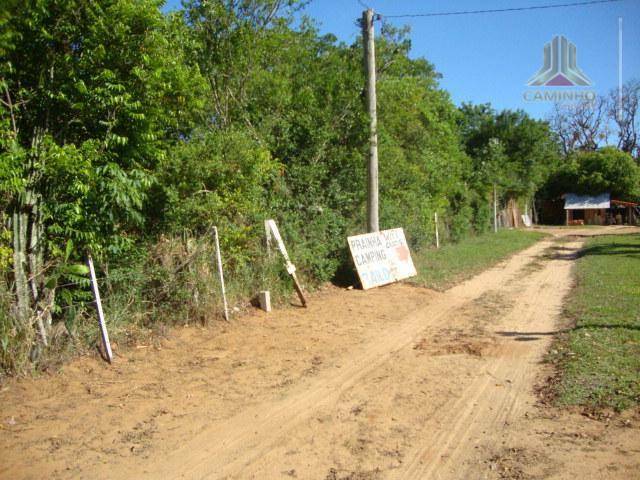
372 171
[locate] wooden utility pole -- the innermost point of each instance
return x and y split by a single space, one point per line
372 172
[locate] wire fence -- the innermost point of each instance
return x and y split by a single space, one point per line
153 287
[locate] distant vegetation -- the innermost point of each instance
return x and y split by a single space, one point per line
591 172
127 133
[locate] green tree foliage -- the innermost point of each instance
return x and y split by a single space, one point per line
593 172
423 169
296 97
527 152
223 178
97 89
93 93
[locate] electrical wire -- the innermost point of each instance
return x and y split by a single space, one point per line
499 10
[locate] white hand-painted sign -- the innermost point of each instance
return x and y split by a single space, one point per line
381 257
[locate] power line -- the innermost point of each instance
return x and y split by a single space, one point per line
500 10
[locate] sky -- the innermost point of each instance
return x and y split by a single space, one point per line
488 58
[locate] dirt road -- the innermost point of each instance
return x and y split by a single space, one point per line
395 383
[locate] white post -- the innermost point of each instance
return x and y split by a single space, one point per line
435 215
101 321
265 300
221 275
267 232
495 209
291 268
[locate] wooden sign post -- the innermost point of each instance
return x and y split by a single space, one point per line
220 274
435 215
101 321
291 268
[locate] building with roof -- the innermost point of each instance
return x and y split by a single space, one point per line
599 210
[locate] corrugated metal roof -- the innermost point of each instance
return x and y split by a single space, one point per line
586 202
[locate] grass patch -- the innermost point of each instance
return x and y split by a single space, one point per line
600 356
450 264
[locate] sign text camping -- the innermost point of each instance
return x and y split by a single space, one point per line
381 257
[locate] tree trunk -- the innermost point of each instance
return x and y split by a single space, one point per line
23 306
35 269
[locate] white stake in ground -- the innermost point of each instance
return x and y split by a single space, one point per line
435 216
267 233
291 268
495 209
219 259
101 321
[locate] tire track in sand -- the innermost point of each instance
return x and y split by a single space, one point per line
225 449
447 450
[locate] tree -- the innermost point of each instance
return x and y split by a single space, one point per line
605 170
624 112
590 124
422 168
528 149
581 126
92 93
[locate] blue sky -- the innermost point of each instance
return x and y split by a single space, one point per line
490 57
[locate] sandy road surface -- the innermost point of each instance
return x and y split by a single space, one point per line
398 382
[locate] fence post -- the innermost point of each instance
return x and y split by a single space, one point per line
267 232
101 321
291 269
219 259
435 215
495 209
